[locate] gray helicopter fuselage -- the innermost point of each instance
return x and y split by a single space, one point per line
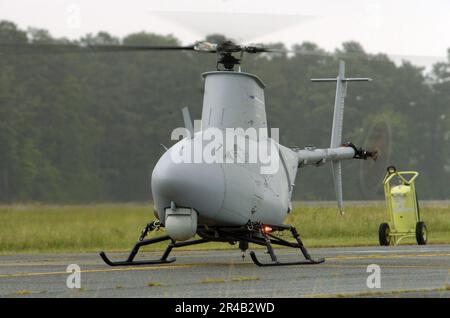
224 193
237 189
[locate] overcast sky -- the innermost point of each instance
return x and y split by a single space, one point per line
416 29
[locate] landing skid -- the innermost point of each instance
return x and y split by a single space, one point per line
277 263
132 263
142 242
251 233
270 239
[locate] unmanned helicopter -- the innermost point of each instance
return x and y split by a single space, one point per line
233 202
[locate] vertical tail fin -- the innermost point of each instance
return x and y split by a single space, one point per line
336 132
338 116
337 179
338 120
188 121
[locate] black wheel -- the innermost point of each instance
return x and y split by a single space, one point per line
384 234
421 233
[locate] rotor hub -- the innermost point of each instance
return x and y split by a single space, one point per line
228 61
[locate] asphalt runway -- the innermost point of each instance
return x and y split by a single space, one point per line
405 271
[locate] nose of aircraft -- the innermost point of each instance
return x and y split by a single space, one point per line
200 186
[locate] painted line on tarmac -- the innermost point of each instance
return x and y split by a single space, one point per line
388 266
32 274
378 256
336 258
393 292
425 250
97 271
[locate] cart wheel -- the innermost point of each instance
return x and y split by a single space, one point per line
421 233
384 234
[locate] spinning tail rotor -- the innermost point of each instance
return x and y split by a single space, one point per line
370 174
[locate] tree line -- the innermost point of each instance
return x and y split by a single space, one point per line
83 127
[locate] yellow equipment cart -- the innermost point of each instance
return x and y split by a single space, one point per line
403 209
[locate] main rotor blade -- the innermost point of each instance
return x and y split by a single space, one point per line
360 56
201 46
43 48
344 55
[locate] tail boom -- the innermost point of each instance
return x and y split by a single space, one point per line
317 157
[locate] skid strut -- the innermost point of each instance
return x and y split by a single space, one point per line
142 242
130 260
270 239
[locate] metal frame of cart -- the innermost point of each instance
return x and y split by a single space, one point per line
403 209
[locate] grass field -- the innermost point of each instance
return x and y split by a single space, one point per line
115 227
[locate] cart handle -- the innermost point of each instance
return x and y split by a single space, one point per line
400 174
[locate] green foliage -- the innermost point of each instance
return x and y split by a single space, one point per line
88 127
114 227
